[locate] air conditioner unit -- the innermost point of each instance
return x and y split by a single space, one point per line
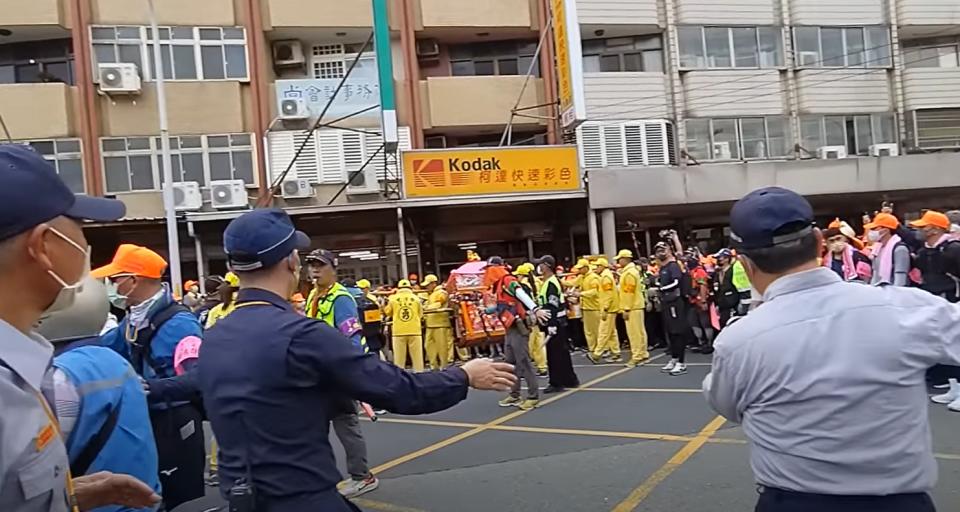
886 149
435 142
365 183
288 53
294 109
428 49
118 78
296 189
227 194
186 196
831 152
721 151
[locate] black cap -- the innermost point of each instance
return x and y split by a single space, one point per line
323 256
261 239
547 260
723 253
32 193
661 245
769 216
495 261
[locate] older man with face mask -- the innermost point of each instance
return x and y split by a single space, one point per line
43 262
825 433
148 337
891 256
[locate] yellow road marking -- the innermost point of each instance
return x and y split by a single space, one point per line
651 436
646 390
382 506
486 426
684 454
608 365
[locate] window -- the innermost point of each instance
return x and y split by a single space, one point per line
498 58
937 128
37 62
842 47
737 138
186 53
730 47
333 60
135 164
855 132
65 155
933 56
643 53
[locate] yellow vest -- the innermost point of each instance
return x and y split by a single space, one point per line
609 296
437 300
219 312
407 313
590 292
632 289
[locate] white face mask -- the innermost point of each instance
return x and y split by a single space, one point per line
117 299
68 292
873 236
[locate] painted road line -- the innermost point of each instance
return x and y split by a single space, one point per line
640 493
612 365
382 506
645 390
486 426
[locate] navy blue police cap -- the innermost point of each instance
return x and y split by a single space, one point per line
769 216
32 193
260 239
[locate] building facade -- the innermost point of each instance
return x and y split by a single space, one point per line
689 103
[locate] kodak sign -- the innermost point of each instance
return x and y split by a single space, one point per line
484 171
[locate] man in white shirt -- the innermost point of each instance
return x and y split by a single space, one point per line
827 377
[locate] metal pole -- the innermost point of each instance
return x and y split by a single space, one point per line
198 250
592 231
173 242
401 233
649 240
530 254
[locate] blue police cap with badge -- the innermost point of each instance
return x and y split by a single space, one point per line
769 216
32 193
260 239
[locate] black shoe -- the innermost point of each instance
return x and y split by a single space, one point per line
707 350
696 349
553 389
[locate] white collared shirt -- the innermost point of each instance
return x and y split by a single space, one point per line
828 380
33 465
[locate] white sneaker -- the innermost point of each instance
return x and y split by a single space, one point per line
954 405
949 396
679 369
351 488
669 366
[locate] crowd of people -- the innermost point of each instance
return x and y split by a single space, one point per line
115 409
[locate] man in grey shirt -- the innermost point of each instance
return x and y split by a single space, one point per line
891 256
43 260
827 377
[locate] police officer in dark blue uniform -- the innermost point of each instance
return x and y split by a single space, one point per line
271 377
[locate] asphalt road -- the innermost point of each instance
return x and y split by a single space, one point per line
627 440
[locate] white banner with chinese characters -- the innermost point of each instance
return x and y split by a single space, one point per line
357 93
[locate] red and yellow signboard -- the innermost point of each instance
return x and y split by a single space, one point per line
483 171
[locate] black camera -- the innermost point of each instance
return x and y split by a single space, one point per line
242 498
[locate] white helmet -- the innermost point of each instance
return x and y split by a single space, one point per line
84 319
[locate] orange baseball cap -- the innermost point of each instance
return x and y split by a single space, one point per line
134 260
932 218
883 220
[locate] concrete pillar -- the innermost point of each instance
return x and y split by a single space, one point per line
592 231
530 255
402 236
608 222
647 237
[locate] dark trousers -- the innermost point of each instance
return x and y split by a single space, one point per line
575 333
559 362
776 500
653 321
182 456
725 315
676 323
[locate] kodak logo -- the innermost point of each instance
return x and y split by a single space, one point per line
477 164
